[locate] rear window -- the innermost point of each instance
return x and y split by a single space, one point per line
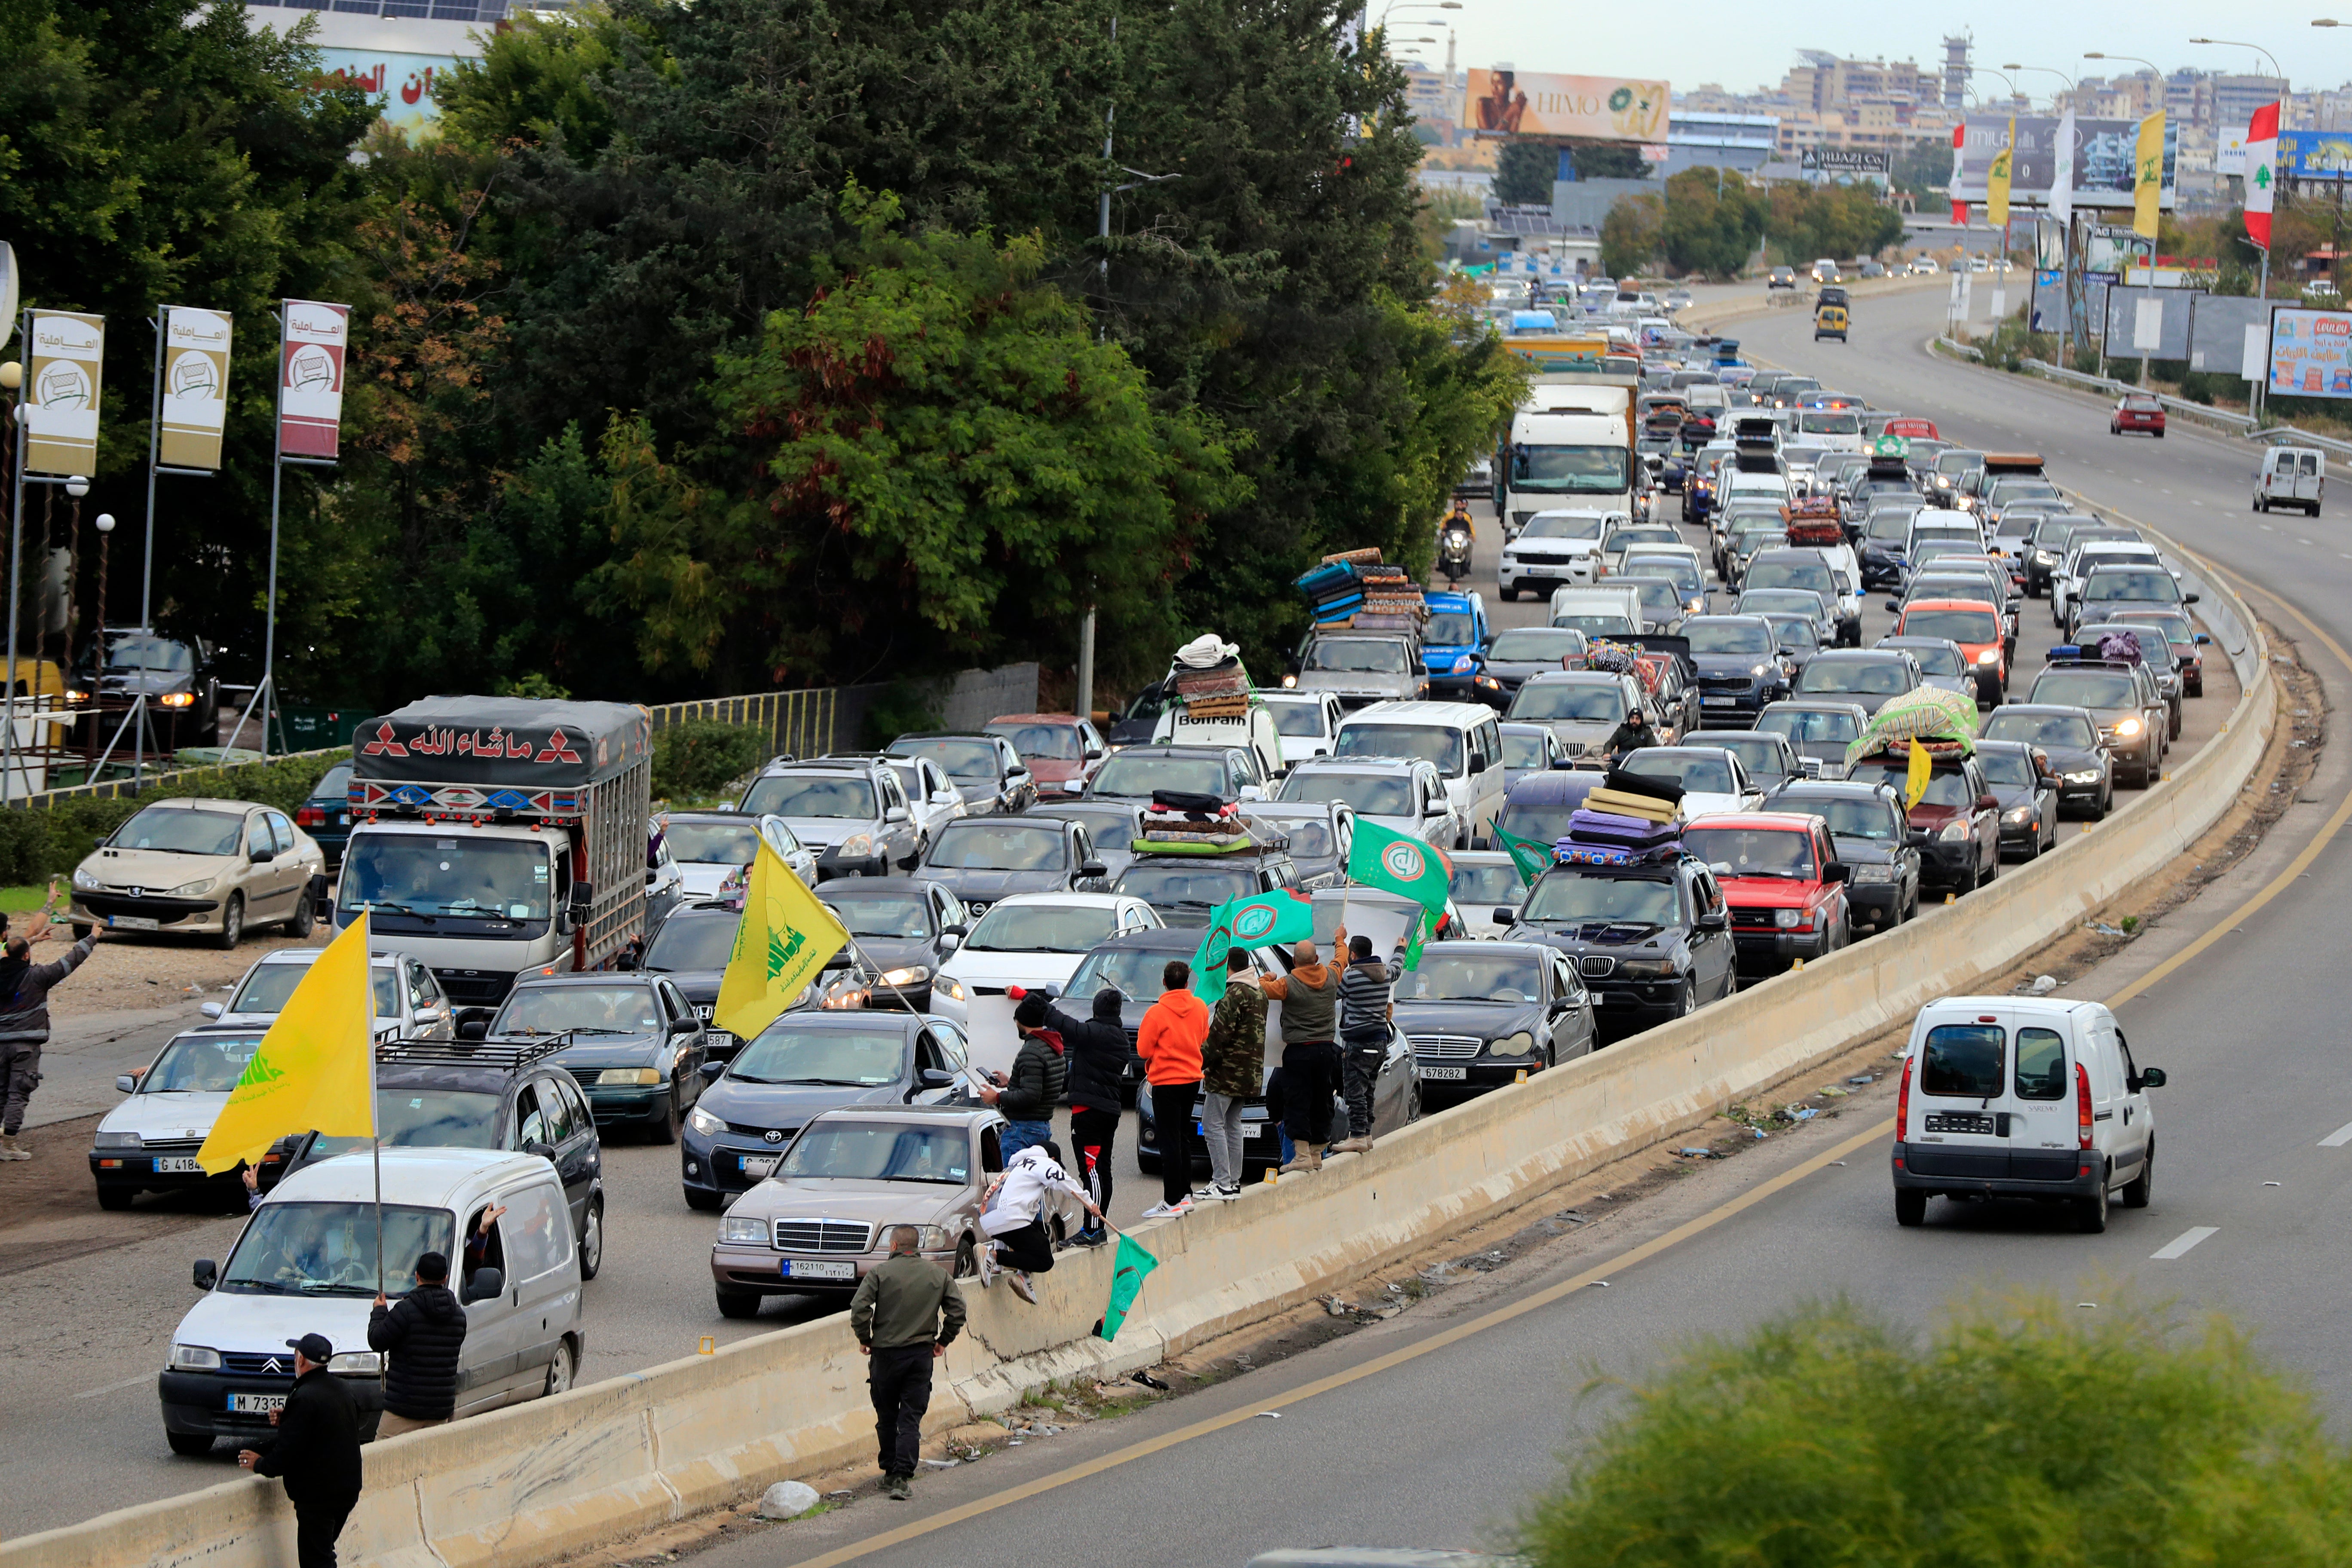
1962 1060
2041 1065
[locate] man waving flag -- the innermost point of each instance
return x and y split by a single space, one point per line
1260 920
784 942
1396 863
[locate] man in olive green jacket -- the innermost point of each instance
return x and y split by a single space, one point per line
1232 1068
905 1314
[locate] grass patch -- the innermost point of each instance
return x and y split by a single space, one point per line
23 901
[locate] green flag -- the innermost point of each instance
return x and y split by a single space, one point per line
1209 958
1126 1283
1531 858
1397 864
1260 919
1422 926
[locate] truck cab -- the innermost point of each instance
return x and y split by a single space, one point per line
1454 649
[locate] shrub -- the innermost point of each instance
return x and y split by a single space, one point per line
50 841
903 707
699 759
2023 1432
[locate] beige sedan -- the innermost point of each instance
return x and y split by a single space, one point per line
203 868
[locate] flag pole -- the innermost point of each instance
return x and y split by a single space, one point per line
898 996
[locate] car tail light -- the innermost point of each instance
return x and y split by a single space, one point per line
1903 1103
310 817
2082 1105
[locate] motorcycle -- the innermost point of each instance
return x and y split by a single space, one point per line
1454 551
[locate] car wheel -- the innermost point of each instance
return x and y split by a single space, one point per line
700 1201
190 1445
232 931
2261 503
1992 872
1510 595
2159 434
114 1200
2106 804
561 1370
1412 1106
298 923
2091 1213
664 1129
591 1239
2137 1191
1910 1206
737 1304
967 1259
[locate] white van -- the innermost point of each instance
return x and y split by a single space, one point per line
1463 739
306 1263
2291 476
2002 1097
1595 610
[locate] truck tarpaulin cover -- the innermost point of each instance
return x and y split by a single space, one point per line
501 741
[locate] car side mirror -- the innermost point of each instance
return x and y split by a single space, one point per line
2188 598
1478 764
950 939
473 1029
934 1077
684 1026
1093 753
1896 606
2150 1078
910 861
1917 835
712 1069
125 1084
208 1274
2204 639
1714 919
210 1009
1987 802
487 1285
545 1151
958 931
895 814
1837 871
262 857
1251 792
1505 915
1094 868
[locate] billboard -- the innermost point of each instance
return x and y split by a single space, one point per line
400 84
2104 157
2311 350
1538 103
1842 161
2315 156
60 397
312 349
195 386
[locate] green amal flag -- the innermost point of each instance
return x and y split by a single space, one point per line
1531 858
1260 920
1126 1278
1397 864
1421 929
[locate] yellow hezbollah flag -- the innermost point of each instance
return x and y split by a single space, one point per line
1914 779
1997 182
782 943
314 1070
2148 179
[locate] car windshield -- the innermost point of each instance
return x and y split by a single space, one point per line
1304 718
424 1119
1041 928
1569 470
1875 677
789 1052
2175 627
268 988
1525 751
1478 885
1810 423
1659 598
1450 628
1760 756
1753 852
1936 658
1697 771
1584 702
1564 525
2040 729
803 794
150 653
713 843
1534 645
863 1150
695 941
1945 786
892 912
1895 524
461 876
2105 587
1751 544
1135 777
1048 742
1133 971
1565 896
199 1064
1465 978
2085 688
1627 539
1374 795
1186 887
331 1248
1847 817
1357 656
1957 462
1424 742
580 1009
1799 634
2014 769
1595 626
180 830
1728 636
1791 574
1000 846
1954 626
1542 822
972 762
1310 836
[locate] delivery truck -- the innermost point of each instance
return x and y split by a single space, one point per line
1572 440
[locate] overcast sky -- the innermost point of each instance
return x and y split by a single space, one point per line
1748 43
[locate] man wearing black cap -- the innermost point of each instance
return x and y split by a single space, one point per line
1029 1093
421 1339
316 1452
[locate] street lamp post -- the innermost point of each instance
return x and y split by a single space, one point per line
2157 72
2264 291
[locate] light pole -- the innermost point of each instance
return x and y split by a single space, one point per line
1417 5
2263 289
2066 241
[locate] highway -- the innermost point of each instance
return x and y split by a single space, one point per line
1444 1447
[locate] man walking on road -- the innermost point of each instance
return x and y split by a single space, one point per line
1028 1095
1098 1052
1232 1068
316 1452
1364 997
905 1313
421 1339
25 1027
1309 996
1170 1044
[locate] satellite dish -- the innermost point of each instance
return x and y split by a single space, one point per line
7 292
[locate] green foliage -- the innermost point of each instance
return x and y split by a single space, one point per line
901 708
1524 174
699 759
1923 168
2023 1433
1610 161
1712 224
1834 220
1631 235
52 840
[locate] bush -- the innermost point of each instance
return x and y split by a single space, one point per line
903 707
699 759
50 841
2024 1432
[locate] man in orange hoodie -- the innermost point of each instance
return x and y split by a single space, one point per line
1170 1041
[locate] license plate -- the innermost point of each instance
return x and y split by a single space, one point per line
177 1165
760 1167
1717 702
132 922
342 819
807 1268
255 1404
1447 1075
1960 1122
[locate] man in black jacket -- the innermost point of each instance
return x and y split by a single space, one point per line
1029 1093
421 1339
316 1452
1099 1056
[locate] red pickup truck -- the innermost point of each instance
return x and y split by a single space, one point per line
1781 877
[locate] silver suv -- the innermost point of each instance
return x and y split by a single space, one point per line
1403 795
851 813
1363 668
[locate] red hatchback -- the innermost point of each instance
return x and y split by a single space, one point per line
1784 883
2137 411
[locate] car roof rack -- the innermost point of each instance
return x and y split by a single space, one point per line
499 1056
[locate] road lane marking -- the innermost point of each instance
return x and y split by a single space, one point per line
116 1388
2179 1245
2337 1138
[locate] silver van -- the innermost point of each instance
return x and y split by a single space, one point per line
306 1263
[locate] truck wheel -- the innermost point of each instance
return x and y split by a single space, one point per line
232 929
190 1445
1910 1206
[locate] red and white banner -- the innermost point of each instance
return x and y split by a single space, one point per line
2261 173
313 345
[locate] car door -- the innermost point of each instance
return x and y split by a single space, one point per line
955 1052
2036 1111
291 873
686 1033
930 1058
543 1280
1570 1011
2137 1132
430 1010
1711 955
899 834
260 880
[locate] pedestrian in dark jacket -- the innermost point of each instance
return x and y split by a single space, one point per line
25 1028
1366 988
316 1452
905 1313
1232 1068
1629 736
1101 1062
1028 1094
1309 996
421 1339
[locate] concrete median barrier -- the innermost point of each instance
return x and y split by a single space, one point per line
526 1485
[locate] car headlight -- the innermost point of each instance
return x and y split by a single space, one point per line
120 1141
1759 669
856 845
1872 874
630 1076
1990 655
82 879
194 1358
76 696
2083 775
702 1122
357 1364
2019 816
1787 919
950 988
1516 1045
201 885
1464 665
932 1238
1645 968
750 1232
913 974
2127 726
177 700
2043 558
1955 832
1289 680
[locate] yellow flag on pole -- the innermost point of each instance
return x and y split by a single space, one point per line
1914 779
784 942
2148 176
1996 180
314 1070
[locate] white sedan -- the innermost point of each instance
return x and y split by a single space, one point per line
1025 940
409 1002
1712 778
712 847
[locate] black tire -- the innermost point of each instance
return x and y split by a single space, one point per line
1992 872
2107 803
967 1259
114 1200
562 1371
232 930
1510 595
591 1239
1910 1206
700 1201
737 1304
2091 1213
190 1445
298 923
2141 1188
662 1129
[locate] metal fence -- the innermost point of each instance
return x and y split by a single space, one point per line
807 722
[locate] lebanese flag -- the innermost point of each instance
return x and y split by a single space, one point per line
2261 173
1960 215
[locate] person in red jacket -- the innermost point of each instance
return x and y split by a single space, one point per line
1170 1041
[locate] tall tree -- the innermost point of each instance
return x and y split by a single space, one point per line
1525 171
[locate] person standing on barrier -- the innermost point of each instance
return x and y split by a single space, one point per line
905 1313
316 1452
1309 996
1170 1044
1232 1068
1365 990
420 1338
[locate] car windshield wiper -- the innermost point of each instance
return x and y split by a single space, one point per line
822 1082
396 908
585 1030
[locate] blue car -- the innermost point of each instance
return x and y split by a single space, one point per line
326 815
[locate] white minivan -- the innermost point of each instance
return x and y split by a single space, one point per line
306 1263
1464 740
2291 476
2006 1097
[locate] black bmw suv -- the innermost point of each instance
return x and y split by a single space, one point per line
1652 941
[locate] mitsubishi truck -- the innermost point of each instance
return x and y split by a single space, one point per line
1572 441
493 836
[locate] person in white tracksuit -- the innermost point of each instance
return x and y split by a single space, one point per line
1018 1240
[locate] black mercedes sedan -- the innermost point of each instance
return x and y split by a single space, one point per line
1480 1013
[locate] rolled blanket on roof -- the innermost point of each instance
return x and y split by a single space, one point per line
1656 785
1206 650
1355 557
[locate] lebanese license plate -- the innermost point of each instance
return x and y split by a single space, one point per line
1447 1075
255 1404
1960 1122
177 1165
342 819
132 922
1717 702
760 1167
809 1269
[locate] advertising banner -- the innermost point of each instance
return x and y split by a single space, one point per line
401 85
195 386
2311 352
2105 156
311 350
1842 161
2315 156
1538 103
61 384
